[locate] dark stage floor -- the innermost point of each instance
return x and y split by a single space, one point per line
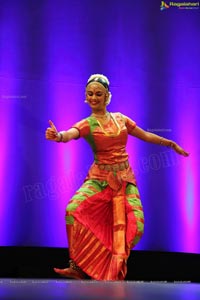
41 289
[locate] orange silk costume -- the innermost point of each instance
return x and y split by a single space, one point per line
105 216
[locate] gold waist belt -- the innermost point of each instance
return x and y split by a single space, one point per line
115 167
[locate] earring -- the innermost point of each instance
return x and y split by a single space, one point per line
86 101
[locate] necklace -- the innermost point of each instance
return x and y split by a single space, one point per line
105 132
102 117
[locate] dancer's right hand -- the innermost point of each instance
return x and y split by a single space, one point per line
51 132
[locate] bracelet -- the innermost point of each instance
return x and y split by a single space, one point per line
171 144
61 137
161 141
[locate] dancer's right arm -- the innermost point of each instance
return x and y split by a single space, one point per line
63 136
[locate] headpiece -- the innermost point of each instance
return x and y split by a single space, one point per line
100 80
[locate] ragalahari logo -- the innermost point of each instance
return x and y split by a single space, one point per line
164 5
179 5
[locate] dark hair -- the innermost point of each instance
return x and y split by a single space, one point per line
100 80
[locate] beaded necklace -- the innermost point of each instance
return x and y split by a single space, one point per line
102 128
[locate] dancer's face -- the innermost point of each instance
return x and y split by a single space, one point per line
96 96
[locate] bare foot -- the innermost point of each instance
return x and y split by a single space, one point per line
69 273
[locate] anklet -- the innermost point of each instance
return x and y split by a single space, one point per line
75 267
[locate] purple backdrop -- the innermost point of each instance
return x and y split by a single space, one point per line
48 49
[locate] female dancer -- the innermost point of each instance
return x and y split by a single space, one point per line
105 217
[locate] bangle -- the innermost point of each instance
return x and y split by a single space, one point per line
171 143
161 141
61 137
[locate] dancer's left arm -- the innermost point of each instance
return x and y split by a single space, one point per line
156 139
